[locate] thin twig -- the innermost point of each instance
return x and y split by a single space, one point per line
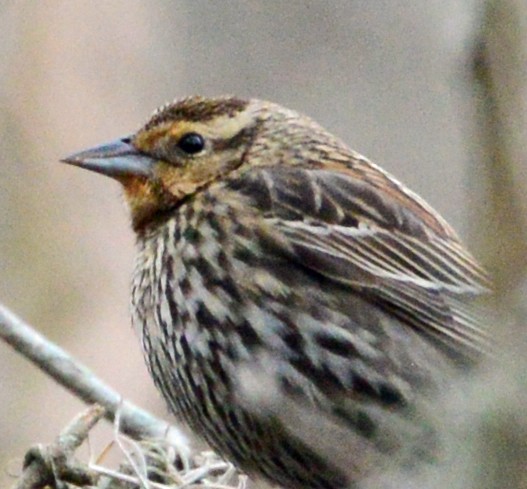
124 477
79 380
141 471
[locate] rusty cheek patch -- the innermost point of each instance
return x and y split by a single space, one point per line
145 198
169 186
137 190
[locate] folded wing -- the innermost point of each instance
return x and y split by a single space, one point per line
359 227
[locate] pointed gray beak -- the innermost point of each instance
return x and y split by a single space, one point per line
116 159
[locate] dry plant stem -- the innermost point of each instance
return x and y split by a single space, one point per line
79 380
113 474
45 466
499 70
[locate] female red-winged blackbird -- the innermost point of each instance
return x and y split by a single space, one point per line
300 308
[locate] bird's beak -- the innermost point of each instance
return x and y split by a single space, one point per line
116 159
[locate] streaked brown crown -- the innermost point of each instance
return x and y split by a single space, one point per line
197 109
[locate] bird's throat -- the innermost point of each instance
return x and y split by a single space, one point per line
147 201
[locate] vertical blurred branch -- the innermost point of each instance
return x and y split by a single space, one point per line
499 71
500 77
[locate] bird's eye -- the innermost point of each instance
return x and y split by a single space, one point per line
191 143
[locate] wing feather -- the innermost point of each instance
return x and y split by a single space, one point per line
350 231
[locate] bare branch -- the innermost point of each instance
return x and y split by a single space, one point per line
79 380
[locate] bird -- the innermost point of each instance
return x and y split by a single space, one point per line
298 307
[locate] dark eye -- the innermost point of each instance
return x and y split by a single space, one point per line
191 143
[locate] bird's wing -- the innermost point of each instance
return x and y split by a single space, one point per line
361 228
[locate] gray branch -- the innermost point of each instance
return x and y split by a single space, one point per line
79 380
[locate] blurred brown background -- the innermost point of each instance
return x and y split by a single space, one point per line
391 77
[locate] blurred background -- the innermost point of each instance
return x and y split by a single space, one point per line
420 87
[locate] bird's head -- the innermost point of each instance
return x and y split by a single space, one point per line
184 147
